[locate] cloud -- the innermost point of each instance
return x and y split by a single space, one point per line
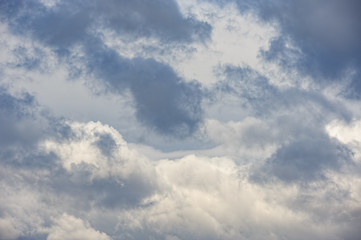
306 159
289 148
66 23
347 133
120 177
8 229
117 193
263 150
23 125
164 101
15 116
147 18
258 96
326 36
73 228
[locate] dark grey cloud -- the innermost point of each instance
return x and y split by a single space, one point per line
151 18
164 102
34 237
108 193
69 22
17 120
106 144
162 99
253 89
305 159
262 99
23 124
327 33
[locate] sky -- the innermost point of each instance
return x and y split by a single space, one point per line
180 119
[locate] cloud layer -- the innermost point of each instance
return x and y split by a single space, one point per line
180 120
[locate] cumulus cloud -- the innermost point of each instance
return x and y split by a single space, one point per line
73 228
264 145
191 197
118 177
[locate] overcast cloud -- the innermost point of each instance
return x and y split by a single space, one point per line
180 119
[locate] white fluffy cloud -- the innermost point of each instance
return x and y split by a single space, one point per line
193 197
99 146
69 227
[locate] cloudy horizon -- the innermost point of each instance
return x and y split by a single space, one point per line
180 119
